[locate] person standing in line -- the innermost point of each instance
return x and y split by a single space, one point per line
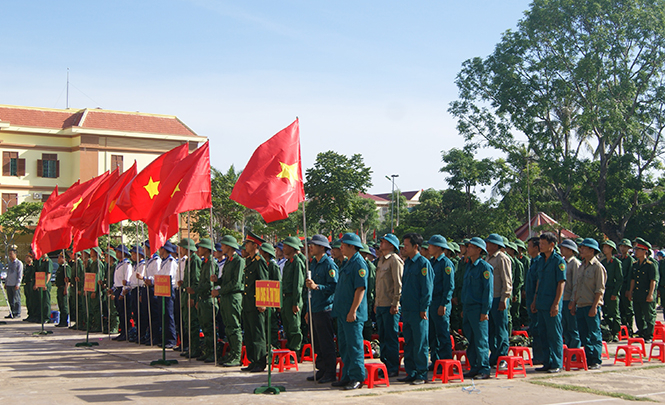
13 285
442 291
644 279
613 286
571 335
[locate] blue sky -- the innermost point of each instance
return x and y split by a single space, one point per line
373 78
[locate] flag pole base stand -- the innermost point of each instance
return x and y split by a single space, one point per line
87 344
163 362
270 389
3 323
42 332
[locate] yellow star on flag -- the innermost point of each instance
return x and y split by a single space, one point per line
177 188
76 204
152 188
289 172
112 205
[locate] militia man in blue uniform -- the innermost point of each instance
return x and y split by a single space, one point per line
442 292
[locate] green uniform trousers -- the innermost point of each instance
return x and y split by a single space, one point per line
645 318
231 310
207 310
63 304
291 323
190 324
611 316
626 311
254 323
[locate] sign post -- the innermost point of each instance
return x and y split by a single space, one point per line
88 287
163 289
40 283
268 294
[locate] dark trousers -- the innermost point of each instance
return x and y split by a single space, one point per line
14 298
416 344
388 326
168 326
498 331
441 347
476 332
121 308
571 335
551 338
156 315
534 333
324 343
592 339
254 323
145 328
350 341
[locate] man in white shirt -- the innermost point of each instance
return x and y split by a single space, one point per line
169 268
138 295
152 266
121 277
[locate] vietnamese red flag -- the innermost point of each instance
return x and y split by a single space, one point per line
38 239
113 214
186 189
137 198
272 182
84 223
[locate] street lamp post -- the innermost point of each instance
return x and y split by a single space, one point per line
392 204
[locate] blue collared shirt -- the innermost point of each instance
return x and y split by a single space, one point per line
352 275
325 274
444 281
478 286
550 273
417 283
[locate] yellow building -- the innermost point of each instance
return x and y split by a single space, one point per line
43 147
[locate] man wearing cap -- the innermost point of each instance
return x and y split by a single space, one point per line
274 274
137 294
350 309
62 276
336 253
526 263
292 288
644 279
206 305
368 328
253 317
477 300
417 283
229 288
121 288
169 267
613 286
323 281
190 280
76 266
588 292
530 283
152 267
547 303
503 287
442 292
517 270
279 256
625 304
389 270
571 335
96 267
460 267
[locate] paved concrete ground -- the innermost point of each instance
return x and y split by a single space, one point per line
51 370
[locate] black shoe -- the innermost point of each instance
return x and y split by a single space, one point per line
406 379
340 383
210 359
353 385
61 325
481 377
319 375
9 317
202 357
554 370
258 369
325 380
175 348
543 368
418 381
232 364
470 374
248 368
594 367
393 374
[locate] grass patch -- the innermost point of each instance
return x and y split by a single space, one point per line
587 390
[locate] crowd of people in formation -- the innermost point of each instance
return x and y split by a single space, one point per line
576 292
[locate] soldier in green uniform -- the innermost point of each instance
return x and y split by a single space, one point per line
188 284
44 265
526 263
644 279
368 328
229 288
612 289
518 283
109 277
29 282
274 274
206 305
625 304
76 266
253 317
95 267
293 281
460 267
62 276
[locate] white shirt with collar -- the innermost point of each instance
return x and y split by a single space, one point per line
152 267
169 267
135 281
182 263
123 272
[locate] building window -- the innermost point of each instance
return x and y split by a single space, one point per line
49 166
116 162
12 165
8 200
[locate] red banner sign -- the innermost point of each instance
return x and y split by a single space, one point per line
268 294
162 286
89 285
40 280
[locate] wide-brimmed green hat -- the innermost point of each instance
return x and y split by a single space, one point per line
591 243
496 239
352 239
187 243
98 250
113 255
511 245
609 243
293 242
476 241
454 247
626 242
206 244
365 249
230 241
268 248
520 244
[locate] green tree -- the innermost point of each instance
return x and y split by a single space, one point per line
465 172
17 221
331 186
583 82
364 216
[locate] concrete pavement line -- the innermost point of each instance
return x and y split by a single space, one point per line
653 393
587 401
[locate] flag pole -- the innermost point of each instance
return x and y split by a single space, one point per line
138 289
147 293
214 300
108 277
189 297
309 292
182 338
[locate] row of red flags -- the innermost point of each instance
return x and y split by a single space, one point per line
175 182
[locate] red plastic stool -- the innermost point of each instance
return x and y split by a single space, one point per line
447 371
339 363
520 333
519 351
661 351
307 357
623 333
659 333
579 356
606 352
641 342
367 349
373 375
243 356
287 360
401 362
628 359
401 344
512 362
282 343
461 355
225 348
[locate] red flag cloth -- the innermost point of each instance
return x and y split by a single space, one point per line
272 182
39 236
85 221
186 189
113 213
137 198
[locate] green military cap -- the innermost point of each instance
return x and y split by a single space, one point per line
252 237
520 244
401 245
424 245
365 249
293 242
336 244
86 251
113 255
626 242
579 240
230 241
206 244
505 240
187 243
512 246
465 242
609 243
98 250
454 246
268 248
642 244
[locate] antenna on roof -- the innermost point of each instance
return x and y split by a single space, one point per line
67 88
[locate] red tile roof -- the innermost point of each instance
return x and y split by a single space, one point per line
372 197
407 194
93 119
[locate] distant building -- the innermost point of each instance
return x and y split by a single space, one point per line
382 201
